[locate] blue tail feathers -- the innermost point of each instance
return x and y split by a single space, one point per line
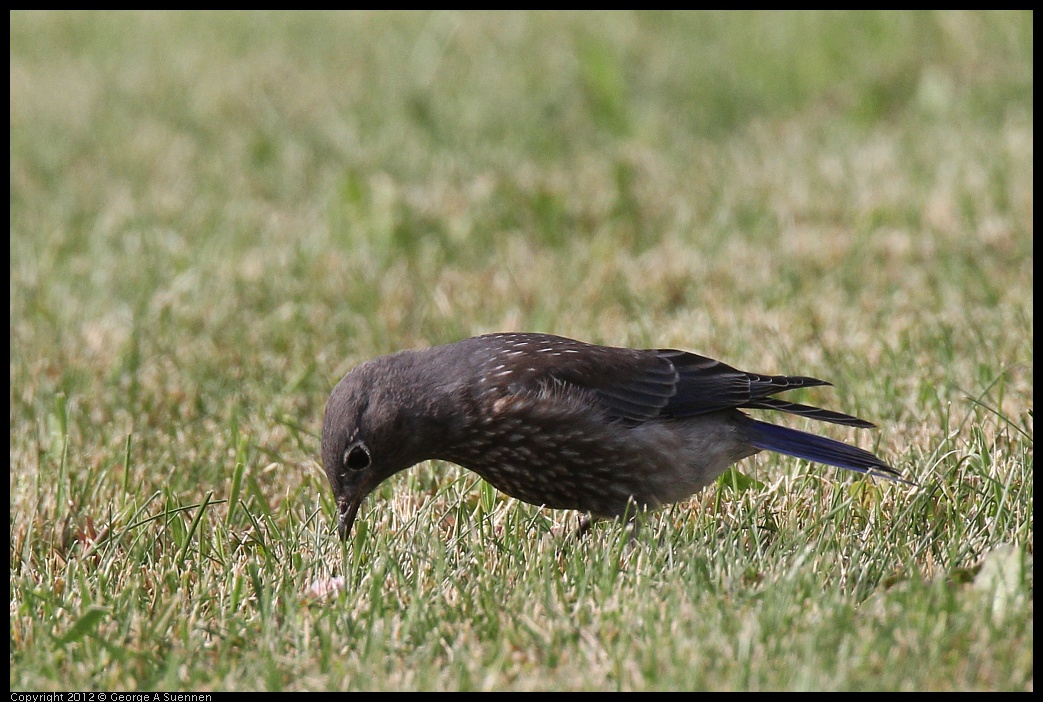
811 447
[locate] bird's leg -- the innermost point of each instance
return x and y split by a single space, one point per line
634 526
632 519
586 521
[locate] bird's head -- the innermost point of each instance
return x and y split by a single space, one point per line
368 434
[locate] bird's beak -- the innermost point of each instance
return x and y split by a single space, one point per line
349 509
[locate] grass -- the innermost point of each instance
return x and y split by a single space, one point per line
216 215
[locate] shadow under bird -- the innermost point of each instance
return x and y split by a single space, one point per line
565 424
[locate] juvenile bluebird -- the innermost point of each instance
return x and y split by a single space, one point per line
565 424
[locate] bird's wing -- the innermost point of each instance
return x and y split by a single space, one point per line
626 384
634 385
706 385
631 386
809 411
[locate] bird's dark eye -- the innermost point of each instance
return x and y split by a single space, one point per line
356 457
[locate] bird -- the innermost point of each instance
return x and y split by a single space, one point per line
565 424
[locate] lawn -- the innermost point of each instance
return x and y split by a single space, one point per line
214 216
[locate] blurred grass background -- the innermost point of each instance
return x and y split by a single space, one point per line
215 215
